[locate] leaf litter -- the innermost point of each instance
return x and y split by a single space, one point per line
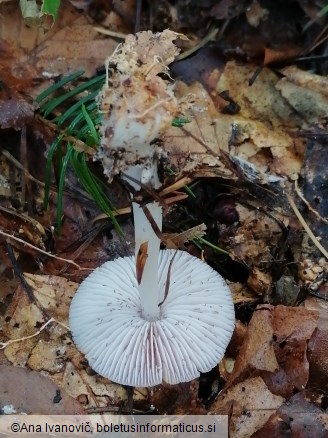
247 139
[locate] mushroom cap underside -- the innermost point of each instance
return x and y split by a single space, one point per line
195 326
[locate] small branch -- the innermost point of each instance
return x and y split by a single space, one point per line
168 279
306 227
10 236
209 37
19 274
21 168
111 33
127 210
78 145
152 222
300 194
148 110
13 341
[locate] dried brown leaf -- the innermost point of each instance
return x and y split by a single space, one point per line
249 405
275 347
271 56
177 240
53 294
15 111
302 416
306 79
30 392
261 123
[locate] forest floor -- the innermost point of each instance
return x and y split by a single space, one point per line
244 185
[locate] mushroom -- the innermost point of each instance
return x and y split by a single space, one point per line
189 334
171 318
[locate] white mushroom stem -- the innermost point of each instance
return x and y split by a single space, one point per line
144 233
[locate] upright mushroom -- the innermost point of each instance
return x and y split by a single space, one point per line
176 320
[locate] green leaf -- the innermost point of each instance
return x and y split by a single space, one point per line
51 7
91 185
82 117
180 121
79 117
201 240
72 110
50 106
189 192
91 126
33 13
58 85
53 148
61 186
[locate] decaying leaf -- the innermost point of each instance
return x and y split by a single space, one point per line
254 239
249 405
306 92
262 122
22 227
303 415
178 240
195 148
141 260
99 392
71 44
318 345
275 347
241 293
177 399
53 294
29 392
52 350
15 111
306 79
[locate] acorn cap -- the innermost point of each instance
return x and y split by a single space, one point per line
195 326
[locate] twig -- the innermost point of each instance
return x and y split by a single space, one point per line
111 33
209 37
20 167
12 341
300 194
97 410
10 236
152 221
152 108
168 279
19 273
77 144
306 227
127 210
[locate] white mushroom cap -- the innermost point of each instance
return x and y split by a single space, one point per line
195 326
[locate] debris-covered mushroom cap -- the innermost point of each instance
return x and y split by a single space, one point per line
137 104
196 322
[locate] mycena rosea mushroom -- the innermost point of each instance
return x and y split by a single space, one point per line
174 318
